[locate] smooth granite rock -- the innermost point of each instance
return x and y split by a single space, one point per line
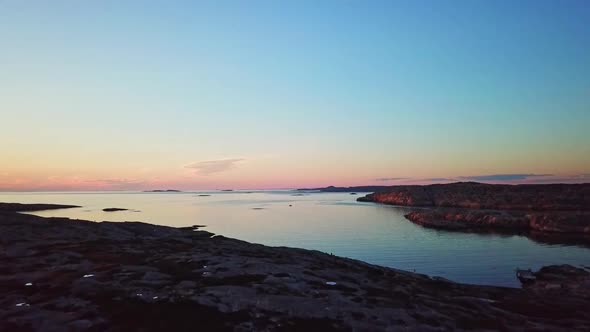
131 276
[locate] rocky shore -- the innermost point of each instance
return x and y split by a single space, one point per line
13 207
58 274
552 208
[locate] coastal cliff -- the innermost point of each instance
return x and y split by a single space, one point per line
473 195
61 274
563 208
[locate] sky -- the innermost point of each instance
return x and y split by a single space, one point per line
132 95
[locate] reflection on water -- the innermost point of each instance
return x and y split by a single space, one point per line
330 222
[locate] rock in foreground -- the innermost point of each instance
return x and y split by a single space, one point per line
61 274
565 279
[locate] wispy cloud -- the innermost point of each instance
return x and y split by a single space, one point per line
575 178
115 183
214 166
389 179
439 179
503 177
73 182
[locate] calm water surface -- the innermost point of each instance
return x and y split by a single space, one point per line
330 222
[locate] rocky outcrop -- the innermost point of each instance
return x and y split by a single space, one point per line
114 209
464 219
563 208
473 195
62 274
561 221
470 219
17 207
564 279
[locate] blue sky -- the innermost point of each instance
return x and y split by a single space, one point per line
300 92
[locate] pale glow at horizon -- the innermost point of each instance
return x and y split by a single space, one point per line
220 95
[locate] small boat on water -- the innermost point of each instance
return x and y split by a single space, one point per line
525 276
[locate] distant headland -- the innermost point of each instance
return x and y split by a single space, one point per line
332 189
557 208
162 191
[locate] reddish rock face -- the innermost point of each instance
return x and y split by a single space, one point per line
467 219
488 196
563 208
471 219
566 222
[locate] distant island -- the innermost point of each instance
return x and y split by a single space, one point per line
163 191
64 274
332 189
114 209
557 208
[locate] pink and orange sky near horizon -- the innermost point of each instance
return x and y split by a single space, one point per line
235 174
130 95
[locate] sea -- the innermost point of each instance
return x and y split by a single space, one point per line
329 222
